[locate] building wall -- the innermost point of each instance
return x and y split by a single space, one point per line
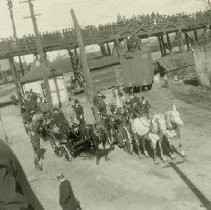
4 65
60 95
202 59
5 71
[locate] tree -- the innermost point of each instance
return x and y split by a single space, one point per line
119 18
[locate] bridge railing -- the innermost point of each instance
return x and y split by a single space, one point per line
91 34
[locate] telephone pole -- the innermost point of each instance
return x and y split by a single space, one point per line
86 72
10 7
10 58
43 61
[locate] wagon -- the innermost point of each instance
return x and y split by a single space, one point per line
69 148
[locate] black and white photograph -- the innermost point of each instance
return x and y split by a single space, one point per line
105 104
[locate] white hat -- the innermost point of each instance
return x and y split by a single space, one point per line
60 176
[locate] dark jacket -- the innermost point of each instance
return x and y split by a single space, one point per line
79 111
145 107
15 190
60 120
99 102
134 101
67 199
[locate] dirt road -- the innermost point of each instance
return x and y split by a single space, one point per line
126 182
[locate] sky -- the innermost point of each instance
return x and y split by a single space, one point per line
55 14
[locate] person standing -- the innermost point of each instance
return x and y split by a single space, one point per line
69 112
14 99
60 120
99 102
116 101
43 105
134 101
145 106
79 111
67 198
33 98
165 80
15 190
36 133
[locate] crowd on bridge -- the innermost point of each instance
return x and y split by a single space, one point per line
67 35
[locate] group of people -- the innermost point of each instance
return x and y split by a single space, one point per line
67 35
65 116
37 116
133 104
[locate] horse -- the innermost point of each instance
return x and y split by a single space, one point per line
96 141
174 123
105 131
145 129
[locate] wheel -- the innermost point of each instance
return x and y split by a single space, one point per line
128 146
65 152
53 141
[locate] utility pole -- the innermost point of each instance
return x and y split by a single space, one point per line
10 58
86 72
10 7
43 61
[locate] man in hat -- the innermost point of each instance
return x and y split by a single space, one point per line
131 104
134 100
145 106
60 120
15 190
67 198
79 111
98 101
116 101
165 80
33 99
36 133
69 112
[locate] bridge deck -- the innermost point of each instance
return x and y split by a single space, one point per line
66 38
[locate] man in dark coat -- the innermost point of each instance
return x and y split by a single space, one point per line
15 190
145 106
134 100
132 105
98 101
60 120
67 198
79 111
